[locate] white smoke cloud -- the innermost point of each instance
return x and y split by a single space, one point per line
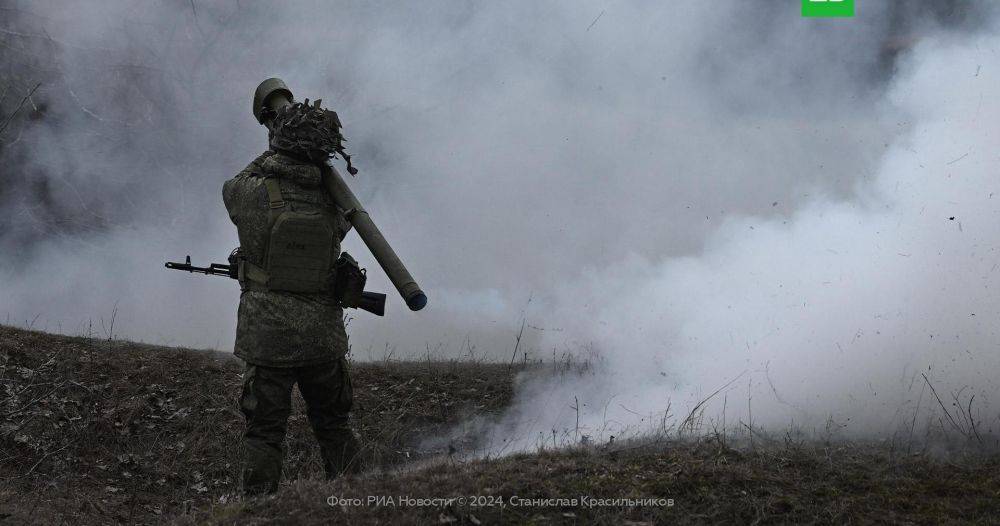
833 315
503 148
593 169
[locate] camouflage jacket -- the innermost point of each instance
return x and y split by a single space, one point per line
275 328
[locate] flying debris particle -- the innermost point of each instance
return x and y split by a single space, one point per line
959 159
595 20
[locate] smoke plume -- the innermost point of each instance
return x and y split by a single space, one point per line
696 196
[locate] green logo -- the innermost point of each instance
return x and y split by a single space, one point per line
828 8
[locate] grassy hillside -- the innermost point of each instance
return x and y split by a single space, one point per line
93 432
708 482
97 432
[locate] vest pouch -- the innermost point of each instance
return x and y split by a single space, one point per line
300 253
349 281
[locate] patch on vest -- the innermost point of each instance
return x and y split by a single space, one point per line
300 253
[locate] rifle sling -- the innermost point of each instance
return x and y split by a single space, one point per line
274 199
253 277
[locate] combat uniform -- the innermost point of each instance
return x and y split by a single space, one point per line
288 337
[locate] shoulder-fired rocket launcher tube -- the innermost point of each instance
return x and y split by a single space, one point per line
372 236
273 94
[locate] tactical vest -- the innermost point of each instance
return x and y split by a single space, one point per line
299 255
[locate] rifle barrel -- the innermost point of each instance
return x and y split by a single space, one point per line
215 269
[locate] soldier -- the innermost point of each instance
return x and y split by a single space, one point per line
290 327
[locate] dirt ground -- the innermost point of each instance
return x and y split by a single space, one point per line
702 482
98 432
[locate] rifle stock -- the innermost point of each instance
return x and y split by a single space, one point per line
373 302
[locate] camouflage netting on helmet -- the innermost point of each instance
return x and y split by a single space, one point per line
309 131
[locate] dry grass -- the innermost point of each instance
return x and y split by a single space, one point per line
97 432
708 482
103 432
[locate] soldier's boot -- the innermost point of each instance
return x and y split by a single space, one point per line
341 453
266 403
261 469
329 396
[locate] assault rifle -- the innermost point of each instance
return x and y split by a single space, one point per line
372 302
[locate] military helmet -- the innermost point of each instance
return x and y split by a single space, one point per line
267 89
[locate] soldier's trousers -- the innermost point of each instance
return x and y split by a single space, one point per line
267 402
